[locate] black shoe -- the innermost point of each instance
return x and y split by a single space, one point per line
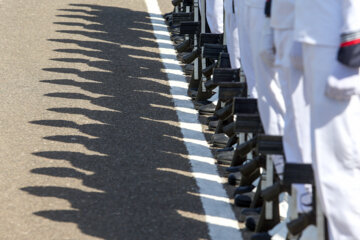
219 140
213 118
232 179
198 104
247 168
207 109
233 169
213 125
192 93
261 236
243 189
242 200
250 211
250 223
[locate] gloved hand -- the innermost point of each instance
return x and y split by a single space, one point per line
267 49
349 51
343 83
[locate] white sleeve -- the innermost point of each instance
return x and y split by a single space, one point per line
351 16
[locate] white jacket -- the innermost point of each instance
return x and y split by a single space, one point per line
282 14
322 22
254 3
228 6
318 21
351 16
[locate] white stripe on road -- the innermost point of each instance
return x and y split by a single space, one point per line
220 218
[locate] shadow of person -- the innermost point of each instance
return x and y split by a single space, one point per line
130 198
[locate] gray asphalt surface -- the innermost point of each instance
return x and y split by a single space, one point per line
89 145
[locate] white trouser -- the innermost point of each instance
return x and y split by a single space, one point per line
232 35
215 15
244 43
335 135
296 136
270 101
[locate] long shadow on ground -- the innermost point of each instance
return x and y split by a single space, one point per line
140 194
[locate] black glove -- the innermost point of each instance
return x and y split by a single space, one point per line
349 52
268 8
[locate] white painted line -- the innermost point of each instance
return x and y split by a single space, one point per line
227 200
219 215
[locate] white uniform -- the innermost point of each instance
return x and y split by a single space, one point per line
270 101
251 20
215 15
232 35
334 124
215 19
244 42
296 136
255 3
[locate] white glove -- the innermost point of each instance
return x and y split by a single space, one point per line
267 49
343 83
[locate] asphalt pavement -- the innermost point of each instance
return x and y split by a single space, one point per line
90 147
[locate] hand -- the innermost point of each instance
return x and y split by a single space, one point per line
267 49
343 83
